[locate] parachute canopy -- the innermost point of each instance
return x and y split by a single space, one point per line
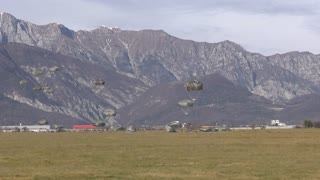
174 124
194 85
170 129
23 82
57 126
186 106
54 68
47 89
99 82
37 72
193 89
117 128
109 112
43 122
204 129
99 124
185 103
131 129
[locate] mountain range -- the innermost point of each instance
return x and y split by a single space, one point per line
144 72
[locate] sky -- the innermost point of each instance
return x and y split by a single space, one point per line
263 26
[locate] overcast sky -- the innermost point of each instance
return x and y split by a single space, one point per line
263 26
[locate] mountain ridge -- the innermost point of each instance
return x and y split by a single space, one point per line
140 60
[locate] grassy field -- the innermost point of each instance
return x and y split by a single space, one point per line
260 154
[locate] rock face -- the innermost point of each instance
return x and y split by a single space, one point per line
14 113
301 108
133 61
70 89
220 102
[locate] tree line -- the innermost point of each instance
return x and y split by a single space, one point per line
311 124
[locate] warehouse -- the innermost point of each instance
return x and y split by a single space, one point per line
26 128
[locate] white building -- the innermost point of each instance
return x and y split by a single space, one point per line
29 128
277 123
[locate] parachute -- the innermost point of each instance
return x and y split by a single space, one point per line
99 82
186 105
47 89
175 124
23 82
58 128
98 85
172 126
193 89
109 112
170 129
117 128
205 129
99 124
131 129
37 72
54 68
110 115
194 85
43 122
186 126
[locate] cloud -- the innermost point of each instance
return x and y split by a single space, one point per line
248 6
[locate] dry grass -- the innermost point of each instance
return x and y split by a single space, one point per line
264 154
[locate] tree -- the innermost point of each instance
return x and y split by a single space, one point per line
316 124
308 124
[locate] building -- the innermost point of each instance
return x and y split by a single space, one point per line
84 127
277 123
26 128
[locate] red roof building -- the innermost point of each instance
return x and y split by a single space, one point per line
84 127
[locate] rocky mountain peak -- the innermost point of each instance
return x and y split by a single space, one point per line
131 62
154 56
5 16
231 46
